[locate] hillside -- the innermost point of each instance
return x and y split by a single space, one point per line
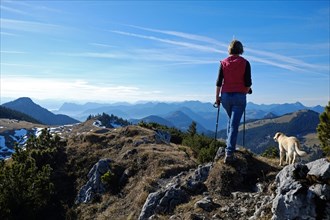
12 114
27 106
150 167
135 173
259 133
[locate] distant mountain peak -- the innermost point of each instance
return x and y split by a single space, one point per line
298 104
270 115
23 104
27 106
23 100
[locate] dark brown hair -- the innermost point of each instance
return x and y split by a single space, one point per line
235 47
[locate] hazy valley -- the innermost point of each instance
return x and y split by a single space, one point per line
262 121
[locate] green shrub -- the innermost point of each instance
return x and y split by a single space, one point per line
208 153
31 185
109 120
204 148
33 177
108 178
323 130
271 152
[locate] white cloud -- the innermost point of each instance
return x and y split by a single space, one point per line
12 6
184 35
7 34
264 57
9 9
11 52
90 54
173 42
182 57
41 88
84 91
28 26
286 62
102 45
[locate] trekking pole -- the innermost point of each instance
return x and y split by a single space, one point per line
215 105
249 92
244 129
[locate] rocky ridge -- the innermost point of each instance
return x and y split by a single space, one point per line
250 188
150 178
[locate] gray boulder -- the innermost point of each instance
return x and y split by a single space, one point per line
175 192
319 171
303 191
159 137
94 184
195 182
163 201
206 204
162 137
220 153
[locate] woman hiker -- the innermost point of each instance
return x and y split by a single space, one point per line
233 83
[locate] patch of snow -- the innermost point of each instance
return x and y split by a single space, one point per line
2 142
38 131
20 136
5 152
56 130
98 124
21 132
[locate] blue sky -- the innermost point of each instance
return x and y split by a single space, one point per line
128 51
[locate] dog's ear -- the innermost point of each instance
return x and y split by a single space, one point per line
277 135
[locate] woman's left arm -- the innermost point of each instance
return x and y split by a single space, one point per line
247 77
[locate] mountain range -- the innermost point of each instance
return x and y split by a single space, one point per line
302 122
175 114
203 113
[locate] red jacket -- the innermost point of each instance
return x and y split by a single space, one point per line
234 74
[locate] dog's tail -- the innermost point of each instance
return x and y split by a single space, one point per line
301 153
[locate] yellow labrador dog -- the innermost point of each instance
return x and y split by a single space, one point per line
289 146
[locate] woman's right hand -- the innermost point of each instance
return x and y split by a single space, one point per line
248 90
218 100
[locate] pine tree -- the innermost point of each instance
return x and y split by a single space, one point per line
33 183
192 130
323 130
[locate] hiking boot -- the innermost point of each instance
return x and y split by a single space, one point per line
229 159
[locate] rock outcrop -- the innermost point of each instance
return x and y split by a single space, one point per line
94 184
176 192
156 179
225 192
303 191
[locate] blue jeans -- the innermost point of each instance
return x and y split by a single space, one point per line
234 103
